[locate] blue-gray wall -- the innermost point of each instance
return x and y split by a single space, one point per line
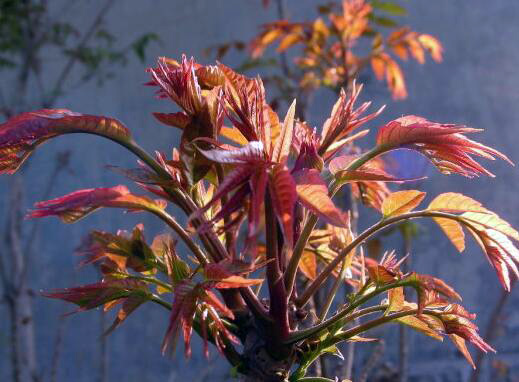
477 84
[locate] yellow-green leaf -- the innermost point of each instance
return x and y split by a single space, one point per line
400 202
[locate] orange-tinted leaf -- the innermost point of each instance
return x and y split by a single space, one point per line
454 232
180 119
401 202
417 324
462 347
432 45
396 299
289 40
233 134
395 79
284 141
380 274
308 265
313 194
379 67
454 203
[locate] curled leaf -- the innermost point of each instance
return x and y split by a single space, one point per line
444 144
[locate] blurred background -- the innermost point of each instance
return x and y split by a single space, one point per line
90 56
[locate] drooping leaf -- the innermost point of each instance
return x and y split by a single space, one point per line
454 203
460 344
432 45
425 284
454 231
93 295
313 194
417 324
20 135
76 205
400 202
129 305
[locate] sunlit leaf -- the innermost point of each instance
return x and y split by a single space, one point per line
401 202
444 144
313 194
284 141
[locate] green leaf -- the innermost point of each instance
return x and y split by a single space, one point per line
389 7
139 46
383 21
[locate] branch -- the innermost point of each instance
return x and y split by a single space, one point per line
291 271
170 221
343 315
327 271
491 331
56 90
278 297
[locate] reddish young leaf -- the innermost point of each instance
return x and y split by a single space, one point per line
444 144
252 152
313 194
97 294
76 205
188 298
179 83
20 135
222 278
338 167
124 250
344 118
464 329
425 284
284 197
400 202
180 119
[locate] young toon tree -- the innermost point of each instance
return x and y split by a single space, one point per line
255 188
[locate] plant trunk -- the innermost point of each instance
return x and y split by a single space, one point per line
19 296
